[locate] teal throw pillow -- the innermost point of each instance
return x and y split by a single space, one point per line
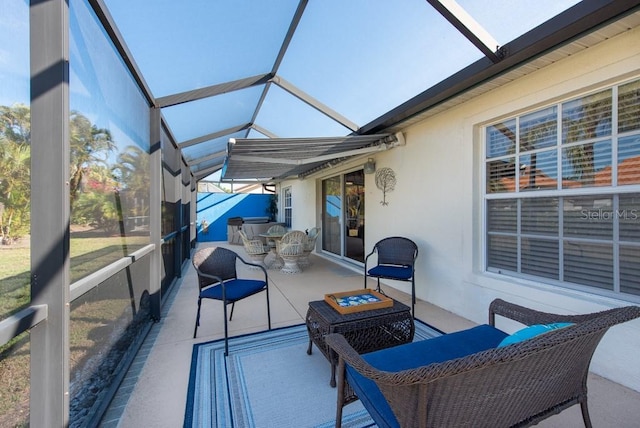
532 331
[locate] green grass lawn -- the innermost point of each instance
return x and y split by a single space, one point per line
87 256
14 280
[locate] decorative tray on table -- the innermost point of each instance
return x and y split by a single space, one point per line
347 302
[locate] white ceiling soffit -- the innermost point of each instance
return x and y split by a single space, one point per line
280 158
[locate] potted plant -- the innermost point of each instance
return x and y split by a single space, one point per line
272 207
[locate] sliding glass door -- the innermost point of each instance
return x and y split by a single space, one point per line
332 215
354 215
343 215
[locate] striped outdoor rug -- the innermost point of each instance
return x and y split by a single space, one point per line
268 380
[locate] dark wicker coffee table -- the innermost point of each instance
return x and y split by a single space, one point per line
366 331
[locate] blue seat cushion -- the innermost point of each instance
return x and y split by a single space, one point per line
390 271
236 289
413 355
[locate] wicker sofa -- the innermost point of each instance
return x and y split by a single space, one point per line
465 379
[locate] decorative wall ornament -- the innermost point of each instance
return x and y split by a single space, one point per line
386 181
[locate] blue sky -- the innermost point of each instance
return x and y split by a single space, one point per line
14 52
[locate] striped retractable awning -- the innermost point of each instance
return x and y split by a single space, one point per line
281 158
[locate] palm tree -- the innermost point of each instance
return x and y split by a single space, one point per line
15 167
593 111
132 170
89 145
15 123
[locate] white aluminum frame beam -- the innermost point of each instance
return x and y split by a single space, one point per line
50 212
213 135
308 99
219 153
264 131
283 49
208 171
213 90
468 26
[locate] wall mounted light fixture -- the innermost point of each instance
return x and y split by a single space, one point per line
370 166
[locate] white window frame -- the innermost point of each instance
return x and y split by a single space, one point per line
613 191
287 206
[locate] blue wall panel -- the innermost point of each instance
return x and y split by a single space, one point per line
217 208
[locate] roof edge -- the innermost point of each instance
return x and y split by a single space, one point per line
583 18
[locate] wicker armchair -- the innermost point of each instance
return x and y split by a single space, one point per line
309 246
290 249
254 248
464 379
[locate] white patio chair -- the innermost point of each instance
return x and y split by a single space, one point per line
255 248
290 249
309 246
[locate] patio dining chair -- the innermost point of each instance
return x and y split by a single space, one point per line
290 249
218 280
309 246
396 260
254 248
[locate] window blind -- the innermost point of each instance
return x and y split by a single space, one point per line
572 209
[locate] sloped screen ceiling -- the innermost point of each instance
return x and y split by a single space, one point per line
321 68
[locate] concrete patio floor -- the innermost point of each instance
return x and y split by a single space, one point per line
154 392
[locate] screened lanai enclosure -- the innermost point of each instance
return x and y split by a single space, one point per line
113 110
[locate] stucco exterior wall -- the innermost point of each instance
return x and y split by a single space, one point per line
438 201
303 203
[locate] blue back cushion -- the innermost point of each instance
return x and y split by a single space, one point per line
417 354
532 331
